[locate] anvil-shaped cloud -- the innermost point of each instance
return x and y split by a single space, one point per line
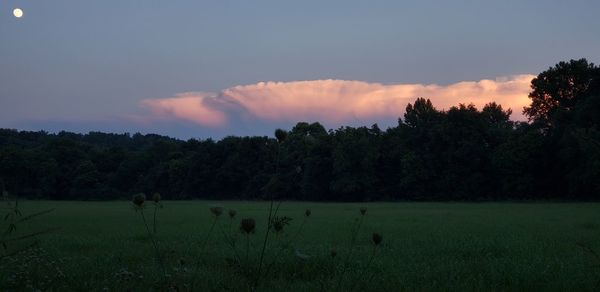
334 101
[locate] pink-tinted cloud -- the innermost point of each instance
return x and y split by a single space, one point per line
335 101
192 106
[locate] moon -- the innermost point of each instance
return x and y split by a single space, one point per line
18 13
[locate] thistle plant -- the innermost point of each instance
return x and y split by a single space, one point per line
216 211
228 236
156 198
232 214
297 253
354 234
247 227
277 223
281 136
138 201
376 239
157 205
139 204
332 254
256 267
307 214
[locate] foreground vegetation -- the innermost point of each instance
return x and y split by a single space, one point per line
426 246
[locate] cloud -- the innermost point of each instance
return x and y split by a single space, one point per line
335 101
196 107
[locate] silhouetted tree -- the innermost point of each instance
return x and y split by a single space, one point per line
462 153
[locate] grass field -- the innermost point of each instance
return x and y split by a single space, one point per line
426 246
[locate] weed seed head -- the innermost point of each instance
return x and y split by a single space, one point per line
377 238
278 227
156 197
232 214
216 210
248 225
279 222
138 200
363 210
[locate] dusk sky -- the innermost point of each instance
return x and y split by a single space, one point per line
214 68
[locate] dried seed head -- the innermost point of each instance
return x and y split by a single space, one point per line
247 225
232 214
333 253
278 226
377 238
156 197
363 210
281 135
279 222
307 213
216 210
138 200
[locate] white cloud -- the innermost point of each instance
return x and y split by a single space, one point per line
336 101
195 107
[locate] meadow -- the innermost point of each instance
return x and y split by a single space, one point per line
102 246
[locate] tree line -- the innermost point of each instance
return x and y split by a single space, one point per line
462 153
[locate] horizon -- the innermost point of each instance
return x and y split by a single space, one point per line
266 134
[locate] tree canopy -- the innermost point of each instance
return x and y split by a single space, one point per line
462 153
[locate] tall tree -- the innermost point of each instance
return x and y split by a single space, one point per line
560 88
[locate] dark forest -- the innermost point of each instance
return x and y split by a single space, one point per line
462 153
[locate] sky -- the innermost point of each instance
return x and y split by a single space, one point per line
199 69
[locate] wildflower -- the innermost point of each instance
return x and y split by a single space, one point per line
156 197
216 210
377 238
232 214
138 200
248 225
333 253
363 210
279 222
278 227
307 213
281 135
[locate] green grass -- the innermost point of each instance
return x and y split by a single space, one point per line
426 246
